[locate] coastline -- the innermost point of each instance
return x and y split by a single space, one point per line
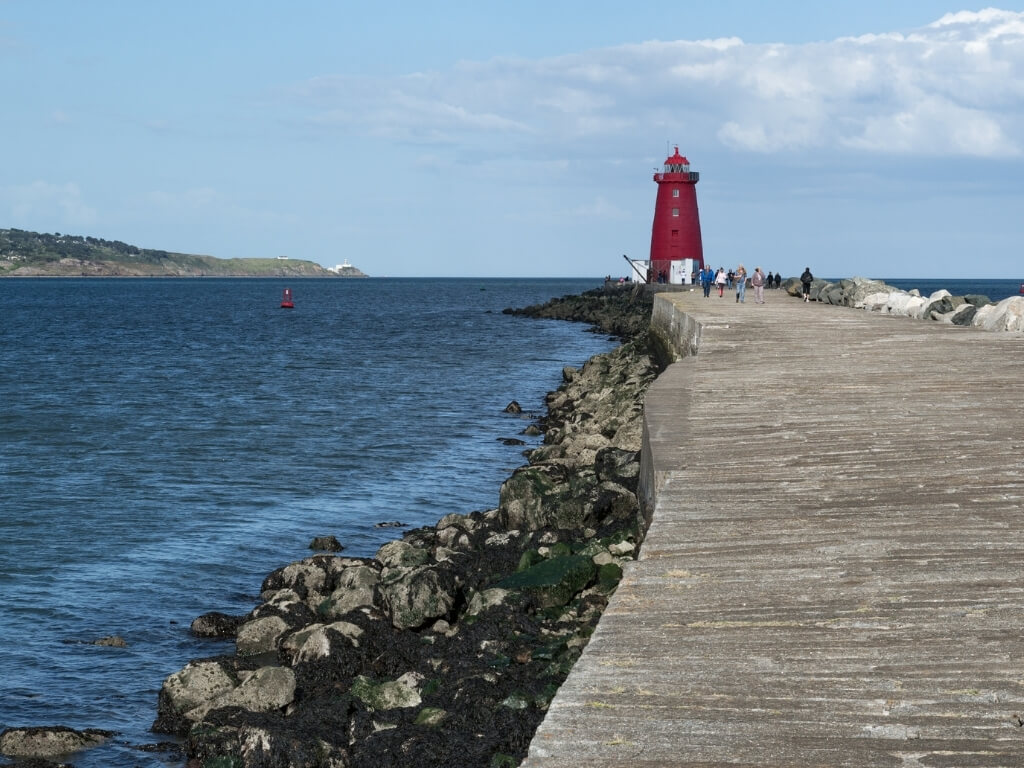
446 647
521 499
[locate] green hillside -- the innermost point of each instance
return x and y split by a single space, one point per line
27 254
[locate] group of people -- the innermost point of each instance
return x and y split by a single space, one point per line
738 278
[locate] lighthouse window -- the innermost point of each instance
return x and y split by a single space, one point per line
675 193
675 211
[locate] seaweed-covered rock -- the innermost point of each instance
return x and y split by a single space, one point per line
49 741
553 582
618 466
262 690
415 596
260 635
356 588
188 689
216 625
326 544
391 694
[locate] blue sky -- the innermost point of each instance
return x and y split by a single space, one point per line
518 139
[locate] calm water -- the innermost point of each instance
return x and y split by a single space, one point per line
164 444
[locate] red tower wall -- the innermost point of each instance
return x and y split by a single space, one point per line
675 233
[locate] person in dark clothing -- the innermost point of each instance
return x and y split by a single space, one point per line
778 279
806 279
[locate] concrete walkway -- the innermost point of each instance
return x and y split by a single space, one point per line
834 573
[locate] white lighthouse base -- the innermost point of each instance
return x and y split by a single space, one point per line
682 272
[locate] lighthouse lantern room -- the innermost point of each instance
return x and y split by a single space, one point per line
676 250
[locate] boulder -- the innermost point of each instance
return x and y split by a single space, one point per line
618 466
1007 315
581 448
875 302
622 548
188 689
857 289
964 315
308 574
513 407
357 587
521 500
326 544
112 641
415 596
264 690
294 609
215 624
466 522
430 717
603 558
49 741
553 582
452 537
485 599
260 635
401 554
395 694
318 641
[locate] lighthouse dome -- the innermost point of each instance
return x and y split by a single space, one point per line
676 159
677 163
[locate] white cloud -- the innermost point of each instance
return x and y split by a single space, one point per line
192 199
934 123
60 206
600 208
953 87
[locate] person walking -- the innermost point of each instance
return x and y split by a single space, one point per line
707 276
720 281
806 279
757 280
740 277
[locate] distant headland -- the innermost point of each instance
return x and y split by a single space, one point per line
34 254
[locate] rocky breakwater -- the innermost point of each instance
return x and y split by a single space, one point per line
447 646
941 306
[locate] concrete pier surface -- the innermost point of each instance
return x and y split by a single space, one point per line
834 569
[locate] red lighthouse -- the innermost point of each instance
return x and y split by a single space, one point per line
675 235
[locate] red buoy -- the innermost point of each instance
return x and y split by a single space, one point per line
286 300
675 234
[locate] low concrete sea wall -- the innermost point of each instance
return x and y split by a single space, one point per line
679 335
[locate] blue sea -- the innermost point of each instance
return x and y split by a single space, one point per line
996 290
165 444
